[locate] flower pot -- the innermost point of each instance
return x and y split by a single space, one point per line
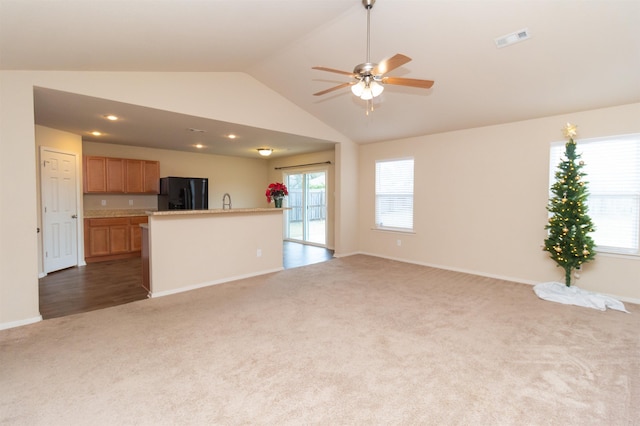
278 202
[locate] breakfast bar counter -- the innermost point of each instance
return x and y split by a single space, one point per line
213 211
189 249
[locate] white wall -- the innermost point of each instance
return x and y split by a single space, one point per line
346 199
480 201
18 206
233 97
196 250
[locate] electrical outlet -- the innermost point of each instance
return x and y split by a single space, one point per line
259 253
399 242
103 202
130 202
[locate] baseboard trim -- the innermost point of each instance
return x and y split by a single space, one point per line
210 283
482 274
338 255
462 270
20 323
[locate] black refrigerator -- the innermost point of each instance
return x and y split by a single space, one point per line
183 193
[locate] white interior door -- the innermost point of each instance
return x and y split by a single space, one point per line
59 210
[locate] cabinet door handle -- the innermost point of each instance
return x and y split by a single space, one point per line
74 216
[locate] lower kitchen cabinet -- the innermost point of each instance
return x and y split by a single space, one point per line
135 232
112 238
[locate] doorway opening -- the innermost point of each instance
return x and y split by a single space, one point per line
306 217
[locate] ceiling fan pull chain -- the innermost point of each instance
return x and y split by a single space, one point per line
369 107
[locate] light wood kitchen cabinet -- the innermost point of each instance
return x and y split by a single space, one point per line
143 177
135 176
120 175
151 177
135 232
115 174
112 238
95 174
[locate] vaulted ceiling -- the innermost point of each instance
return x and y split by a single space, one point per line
580 55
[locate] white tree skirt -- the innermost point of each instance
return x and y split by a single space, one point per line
558 292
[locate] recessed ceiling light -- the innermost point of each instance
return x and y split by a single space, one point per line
96 133
199 146
191 129
111 117
231 136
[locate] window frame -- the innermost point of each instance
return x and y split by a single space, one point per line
377 196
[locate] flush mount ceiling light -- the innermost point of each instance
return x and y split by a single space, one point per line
96 133
265 152
111 117
231 136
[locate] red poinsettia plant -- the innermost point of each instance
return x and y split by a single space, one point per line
276 190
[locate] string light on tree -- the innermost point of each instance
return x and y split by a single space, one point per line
568 242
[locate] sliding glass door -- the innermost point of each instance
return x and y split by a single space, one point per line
306 221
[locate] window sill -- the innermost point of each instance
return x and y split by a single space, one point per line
394 230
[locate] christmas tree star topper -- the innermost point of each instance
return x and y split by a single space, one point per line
570 130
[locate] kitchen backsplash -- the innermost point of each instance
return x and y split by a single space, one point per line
120 202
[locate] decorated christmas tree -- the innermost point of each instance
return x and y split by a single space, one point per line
568 242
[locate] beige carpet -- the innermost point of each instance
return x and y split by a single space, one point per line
357 340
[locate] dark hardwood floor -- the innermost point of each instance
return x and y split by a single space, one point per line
94 286
105 284
296 254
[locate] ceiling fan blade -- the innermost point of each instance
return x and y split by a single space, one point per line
391 63
340 86
413 82
350 74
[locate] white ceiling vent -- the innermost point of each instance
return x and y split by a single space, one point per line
514 37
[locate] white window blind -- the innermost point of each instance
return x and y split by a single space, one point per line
394 194
612 167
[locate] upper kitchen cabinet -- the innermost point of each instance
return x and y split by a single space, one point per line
120 175
115 175
151 177
94 172
143 177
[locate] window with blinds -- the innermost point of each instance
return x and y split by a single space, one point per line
612 167
394 194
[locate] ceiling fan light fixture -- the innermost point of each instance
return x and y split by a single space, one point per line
376 88
265 152
367 94
367 90
358 88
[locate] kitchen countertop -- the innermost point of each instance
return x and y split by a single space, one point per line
90 214
214 211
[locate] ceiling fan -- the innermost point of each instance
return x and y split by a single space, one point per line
369 77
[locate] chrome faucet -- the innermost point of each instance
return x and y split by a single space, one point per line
226 203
